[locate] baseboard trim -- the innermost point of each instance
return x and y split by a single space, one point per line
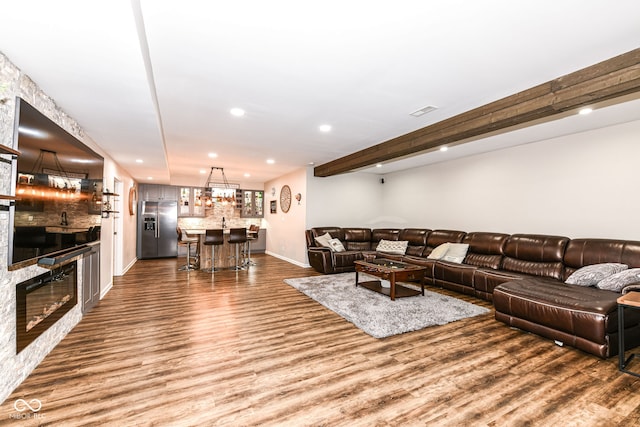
106 290
292 261
128 267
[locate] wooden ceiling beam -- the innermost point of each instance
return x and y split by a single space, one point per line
598 83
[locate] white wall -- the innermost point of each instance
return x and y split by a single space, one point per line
582 185
285 231
348 200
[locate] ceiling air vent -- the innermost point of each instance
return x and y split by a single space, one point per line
423 110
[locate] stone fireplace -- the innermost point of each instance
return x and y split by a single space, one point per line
42 300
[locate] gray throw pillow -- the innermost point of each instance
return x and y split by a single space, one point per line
590 275
618 281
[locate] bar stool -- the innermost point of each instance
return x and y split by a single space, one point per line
252 235
213 238
186 241
238 237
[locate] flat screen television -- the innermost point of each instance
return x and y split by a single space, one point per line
58 189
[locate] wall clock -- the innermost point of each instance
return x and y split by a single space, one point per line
285 198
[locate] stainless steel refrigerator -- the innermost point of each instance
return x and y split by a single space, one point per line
157 236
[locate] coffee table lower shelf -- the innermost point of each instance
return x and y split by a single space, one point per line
401 291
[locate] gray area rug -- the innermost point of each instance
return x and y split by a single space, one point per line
376 314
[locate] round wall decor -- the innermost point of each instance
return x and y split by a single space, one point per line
285 198
133 199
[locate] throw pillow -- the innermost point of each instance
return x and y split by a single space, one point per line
324 240
456 252
398 247
336 245
618 281
590 275
439 251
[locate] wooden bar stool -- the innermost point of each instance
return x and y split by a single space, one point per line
213 238
186 241
238 237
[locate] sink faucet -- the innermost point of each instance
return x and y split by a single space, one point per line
63 220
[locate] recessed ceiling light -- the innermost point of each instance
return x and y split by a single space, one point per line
202 171
238 112
379 165
139 161
325 128
213 155
149 178
424 110
247 175
312 163
270 161
584 111
444 148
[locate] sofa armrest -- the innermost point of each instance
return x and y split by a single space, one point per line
631 287
320 258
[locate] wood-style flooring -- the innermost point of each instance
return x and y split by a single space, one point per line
173 348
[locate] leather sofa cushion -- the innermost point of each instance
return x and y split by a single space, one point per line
553 270
535 255
582 252
346 259
378 234
417 238
357 239
485 249
536 247
460 274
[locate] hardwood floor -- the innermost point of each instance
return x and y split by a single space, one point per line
166 347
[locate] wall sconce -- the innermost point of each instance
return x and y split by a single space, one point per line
298 197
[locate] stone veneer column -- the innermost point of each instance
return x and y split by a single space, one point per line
16 367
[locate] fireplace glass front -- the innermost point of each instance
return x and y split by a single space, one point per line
42 300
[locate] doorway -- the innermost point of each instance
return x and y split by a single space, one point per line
117 228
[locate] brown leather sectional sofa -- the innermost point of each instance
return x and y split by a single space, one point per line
522 274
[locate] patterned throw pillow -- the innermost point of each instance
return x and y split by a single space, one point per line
336 245
590 275
397 247
618 281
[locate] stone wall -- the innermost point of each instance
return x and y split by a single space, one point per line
16 367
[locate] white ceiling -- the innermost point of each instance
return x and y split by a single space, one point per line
155 79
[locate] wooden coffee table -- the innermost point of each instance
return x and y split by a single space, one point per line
393 271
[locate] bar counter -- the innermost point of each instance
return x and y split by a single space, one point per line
222 252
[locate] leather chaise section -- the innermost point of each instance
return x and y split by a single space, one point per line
568 313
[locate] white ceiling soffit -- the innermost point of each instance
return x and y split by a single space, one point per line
360 66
